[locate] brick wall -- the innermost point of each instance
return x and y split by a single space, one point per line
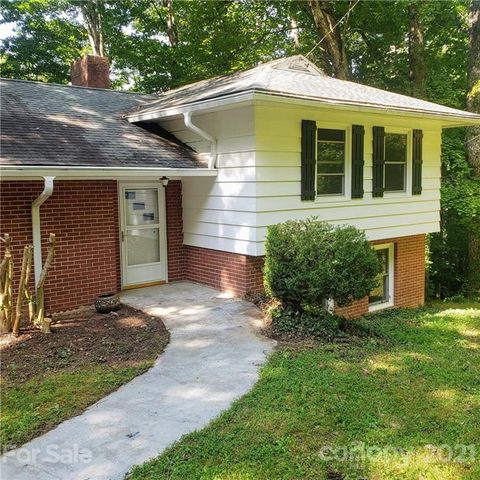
84 217
173 204
409 276
240 274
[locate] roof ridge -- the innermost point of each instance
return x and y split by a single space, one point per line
54 84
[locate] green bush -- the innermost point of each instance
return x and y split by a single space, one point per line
309 261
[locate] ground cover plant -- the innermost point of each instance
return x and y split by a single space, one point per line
49 378
398 398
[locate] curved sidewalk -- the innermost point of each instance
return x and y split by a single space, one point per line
212 359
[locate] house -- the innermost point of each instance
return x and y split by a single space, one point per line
144 189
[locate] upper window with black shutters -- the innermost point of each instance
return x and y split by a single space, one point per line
395 162
330 162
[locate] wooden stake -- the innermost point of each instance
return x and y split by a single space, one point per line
6 280
40 317
27 254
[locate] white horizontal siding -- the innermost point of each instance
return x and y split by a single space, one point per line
278 135
220 213
258 182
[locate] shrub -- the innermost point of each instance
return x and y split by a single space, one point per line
309 261
317 324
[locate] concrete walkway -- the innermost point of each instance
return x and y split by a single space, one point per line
212 359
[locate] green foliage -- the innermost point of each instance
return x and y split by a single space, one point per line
309 261
460 216
311 323
401 393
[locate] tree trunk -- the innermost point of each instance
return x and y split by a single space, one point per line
473 140
416 53
295 33
171 26
92 15
331 37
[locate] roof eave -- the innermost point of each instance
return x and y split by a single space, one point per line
24 172
256 95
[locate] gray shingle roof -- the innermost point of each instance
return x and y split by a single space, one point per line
57 125
296 77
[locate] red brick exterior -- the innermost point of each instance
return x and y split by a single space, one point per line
91 71
233 272
84 217
173 205
408 275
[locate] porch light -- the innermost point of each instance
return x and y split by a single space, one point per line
164 181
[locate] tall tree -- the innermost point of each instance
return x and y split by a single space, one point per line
331 38
416 53
473 139
92 12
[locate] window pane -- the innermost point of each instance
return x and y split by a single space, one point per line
329 184
143 246
331 152
330 167
394 177
395 147
142 207
381 293
331 135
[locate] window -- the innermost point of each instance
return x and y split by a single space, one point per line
330 162
382 295
395 162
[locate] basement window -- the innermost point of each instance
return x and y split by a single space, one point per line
382 295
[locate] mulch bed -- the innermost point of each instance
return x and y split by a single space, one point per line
83 337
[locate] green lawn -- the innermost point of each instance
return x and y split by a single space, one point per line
408 391
34 407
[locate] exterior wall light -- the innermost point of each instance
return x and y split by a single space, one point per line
164 181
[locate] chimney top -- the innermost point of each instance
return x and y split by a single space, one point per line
91 71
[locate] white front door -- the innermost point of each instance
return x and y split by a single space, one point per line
143 235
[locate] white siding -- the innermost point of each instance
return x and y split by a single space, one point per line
278 141
258 180
220 213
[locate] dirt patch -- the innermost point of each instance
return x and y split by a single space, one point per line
83 337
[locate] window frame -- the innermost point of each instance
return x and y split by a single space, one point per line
347 187
373 307
407 191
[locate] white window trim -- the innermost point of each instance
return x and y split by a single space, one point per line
408 167
391 276
347 191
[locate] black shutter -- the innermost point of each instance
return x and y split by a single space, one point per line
358 133
378 160
417 162
309 138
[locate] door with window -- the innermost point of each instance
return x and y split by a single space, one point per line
143 237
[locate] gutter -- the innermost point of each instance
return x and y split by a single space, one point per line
99 173
36 228
187 118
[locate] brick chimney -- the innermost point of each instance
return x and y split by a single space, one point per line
91 71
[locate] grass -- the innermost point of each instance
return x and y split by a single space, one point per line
37 405
408 391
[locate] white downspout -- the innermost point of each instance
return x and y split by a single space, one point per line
36 230
187 117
